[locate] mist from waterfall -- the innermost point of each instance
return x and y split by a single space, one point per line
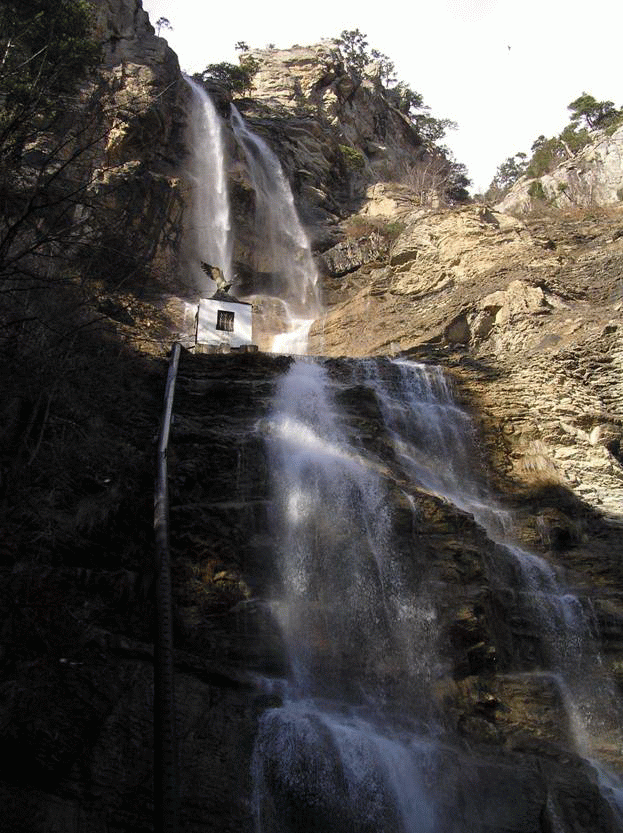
209 235
347 594
285 262
354 744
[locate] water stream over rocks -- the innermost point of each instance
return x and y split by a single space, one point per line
286 277
292 277
356 743
209 234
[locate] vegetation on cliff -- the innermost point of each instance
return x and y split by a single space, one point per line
362 85
46 51
587 117
55 324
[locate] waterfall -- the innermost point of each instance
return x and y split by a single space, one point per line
286 279
285 260
436 443
209 232
345 595
355 744
331 757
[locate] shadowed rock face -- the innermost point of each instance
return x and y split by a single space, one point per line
79 712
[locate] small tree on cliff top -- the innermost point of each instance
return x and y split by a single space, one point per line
354 48
238 78
587 114
163 23
594 113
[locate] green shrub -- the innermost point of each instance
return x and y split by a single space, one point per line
238 78
353 159
614 124
359 226
536 190
394 229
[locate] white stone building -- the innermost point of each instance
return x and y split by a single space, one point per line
224 321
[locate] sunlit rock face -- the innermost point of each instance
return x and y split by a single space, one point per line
590 177
538 303
134 199
313 81
334 133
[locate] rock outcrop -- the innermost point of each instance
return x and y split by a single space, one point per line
314 81
335 133
538 304
592 177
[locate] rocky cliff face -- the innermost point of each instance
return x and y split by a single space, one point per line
524 317
334 133
354 112
592 177
538 301
134 196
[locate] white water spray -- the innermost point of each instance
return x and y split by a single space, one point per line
285 263
354 744
209 232
353 631
436 443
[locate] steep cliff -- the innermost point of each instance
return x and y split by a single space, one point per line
134 186
335 132
339 132
524 319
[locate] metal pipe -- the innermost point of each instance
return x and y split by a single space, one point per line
166 776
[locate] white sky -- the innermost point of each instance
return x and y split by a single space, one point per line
454 52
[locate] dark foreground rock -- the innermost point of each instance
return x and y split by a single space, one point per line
76 682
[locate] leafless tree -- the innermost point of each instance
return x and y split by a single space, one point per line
436 179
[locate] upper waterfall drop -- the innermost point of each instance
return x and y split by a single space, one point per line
209 234
292 277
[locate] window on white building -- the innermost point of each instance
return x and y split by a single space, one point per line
225 320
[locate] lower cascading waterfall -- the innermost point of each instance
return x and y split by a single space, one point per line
330 758
354 744
437 444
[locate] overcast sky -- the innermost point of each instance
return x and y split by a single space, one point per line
505 71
